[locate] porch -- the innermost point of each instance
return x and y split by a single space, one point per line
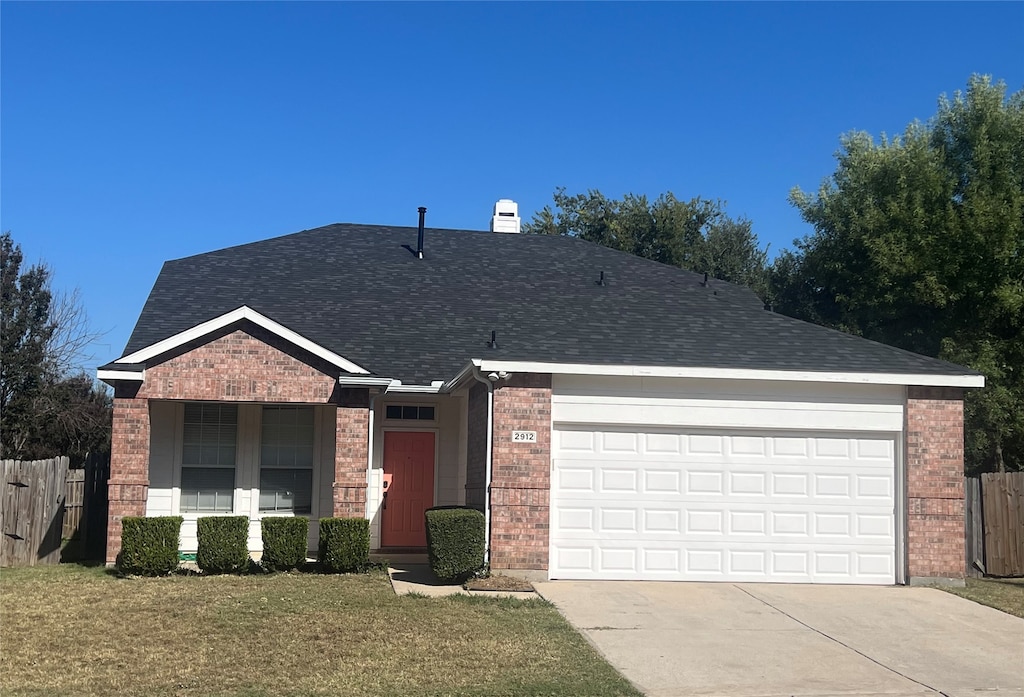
272 459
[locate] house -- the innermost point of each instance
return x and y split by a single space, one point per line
614 418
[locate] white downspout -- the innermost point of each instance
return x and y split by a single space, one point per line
487 460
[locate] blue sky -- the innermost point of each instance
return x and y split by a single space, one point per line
133 133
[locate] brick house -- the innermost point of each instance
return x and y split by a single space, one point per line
613 417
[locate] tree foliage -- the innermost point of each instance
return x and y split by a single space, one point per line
46 407
919 242
695 235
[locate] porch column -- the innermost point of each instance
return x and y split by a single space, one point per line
521 474
351 450
129 464
935 484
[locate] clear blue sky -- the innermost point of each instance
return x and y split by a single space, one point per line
133 133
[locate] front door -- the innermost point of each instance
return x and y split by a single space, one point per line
409 459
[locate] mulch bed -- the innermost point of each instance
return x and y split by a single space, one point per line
497 582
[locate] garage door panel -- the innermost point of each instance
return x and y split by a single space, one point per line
664 561
735 523
723 507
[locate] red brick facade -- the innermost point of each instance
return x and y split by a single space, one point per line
351 450
935 482
521 474
239 367
235 366
128 485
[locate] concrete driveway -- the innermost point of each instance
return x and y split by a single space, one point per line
748 640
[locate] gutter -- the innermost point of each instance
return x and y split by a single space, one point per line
488 461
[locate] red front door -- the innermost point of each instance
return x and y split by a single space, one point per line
409 459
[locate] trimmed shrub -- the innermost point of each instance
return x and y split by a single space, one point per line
149 546
344 545
284 542
223 544
455 542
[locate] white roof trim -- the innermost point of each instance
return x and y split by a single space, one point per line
243 312
433 388
108 375
925 380
361 381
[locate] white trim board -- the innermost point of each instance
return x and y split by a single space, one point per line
109 375
925 380
246 313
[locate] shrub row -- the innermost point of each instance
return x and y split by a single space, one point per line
149 546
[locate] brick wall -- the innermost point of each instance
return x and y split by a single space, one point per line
235 365
128 486
935 482
476 447
351 450
241 366
521 474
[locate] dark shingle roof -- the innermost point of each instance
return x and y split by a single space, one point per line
359 292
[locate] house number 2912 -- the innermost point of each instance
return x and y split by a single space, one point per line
524 436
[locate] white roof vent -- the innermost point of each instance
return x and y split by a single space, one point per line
506 216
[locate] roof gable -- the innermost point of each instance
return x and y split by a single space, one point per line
211 326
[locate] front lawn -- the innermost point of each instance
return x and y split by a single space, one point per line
1006 594
73 630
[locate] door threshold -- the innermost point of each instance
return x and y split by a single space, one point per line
401 550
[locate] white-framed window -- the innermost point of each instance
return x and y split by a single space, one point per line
286 460
208 454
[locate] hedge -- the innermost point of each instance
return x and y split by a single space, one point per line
344 545
455 542
284 542
149 546
223 544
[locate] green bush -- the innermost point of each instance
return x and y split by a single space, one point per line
149 546
223 544
344 545
284 542
455 542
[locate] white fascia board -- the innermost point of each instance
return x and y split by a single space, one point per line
461 377
109 375
243 312
364 381
728 373
411 389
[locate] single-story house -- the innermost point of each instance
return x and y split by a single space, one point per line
613 417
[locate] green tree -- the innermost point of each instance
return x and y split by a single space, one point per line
919 242
695 235
47 405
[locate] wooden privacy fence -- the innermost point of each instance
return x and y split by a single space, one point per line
31 511
85 508
994 517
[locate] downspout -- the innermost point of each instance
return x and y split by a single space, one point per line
487 461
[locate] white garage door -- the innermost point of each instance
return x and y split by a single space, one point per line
657 504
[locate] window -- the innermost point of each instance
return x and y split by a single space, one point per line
409 412
286 460
208 458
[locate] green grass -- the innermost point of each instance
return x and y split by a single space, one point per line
75 630
1006 594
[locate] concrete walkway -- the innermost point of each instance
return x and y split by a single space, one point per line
751 640
413 577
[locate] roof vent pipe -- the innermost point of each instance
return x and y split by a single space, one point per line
419 236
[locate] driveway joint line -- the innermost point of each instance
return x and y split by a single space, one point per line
832 638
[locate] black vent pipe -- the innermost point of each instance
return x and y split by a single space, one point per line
419 237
